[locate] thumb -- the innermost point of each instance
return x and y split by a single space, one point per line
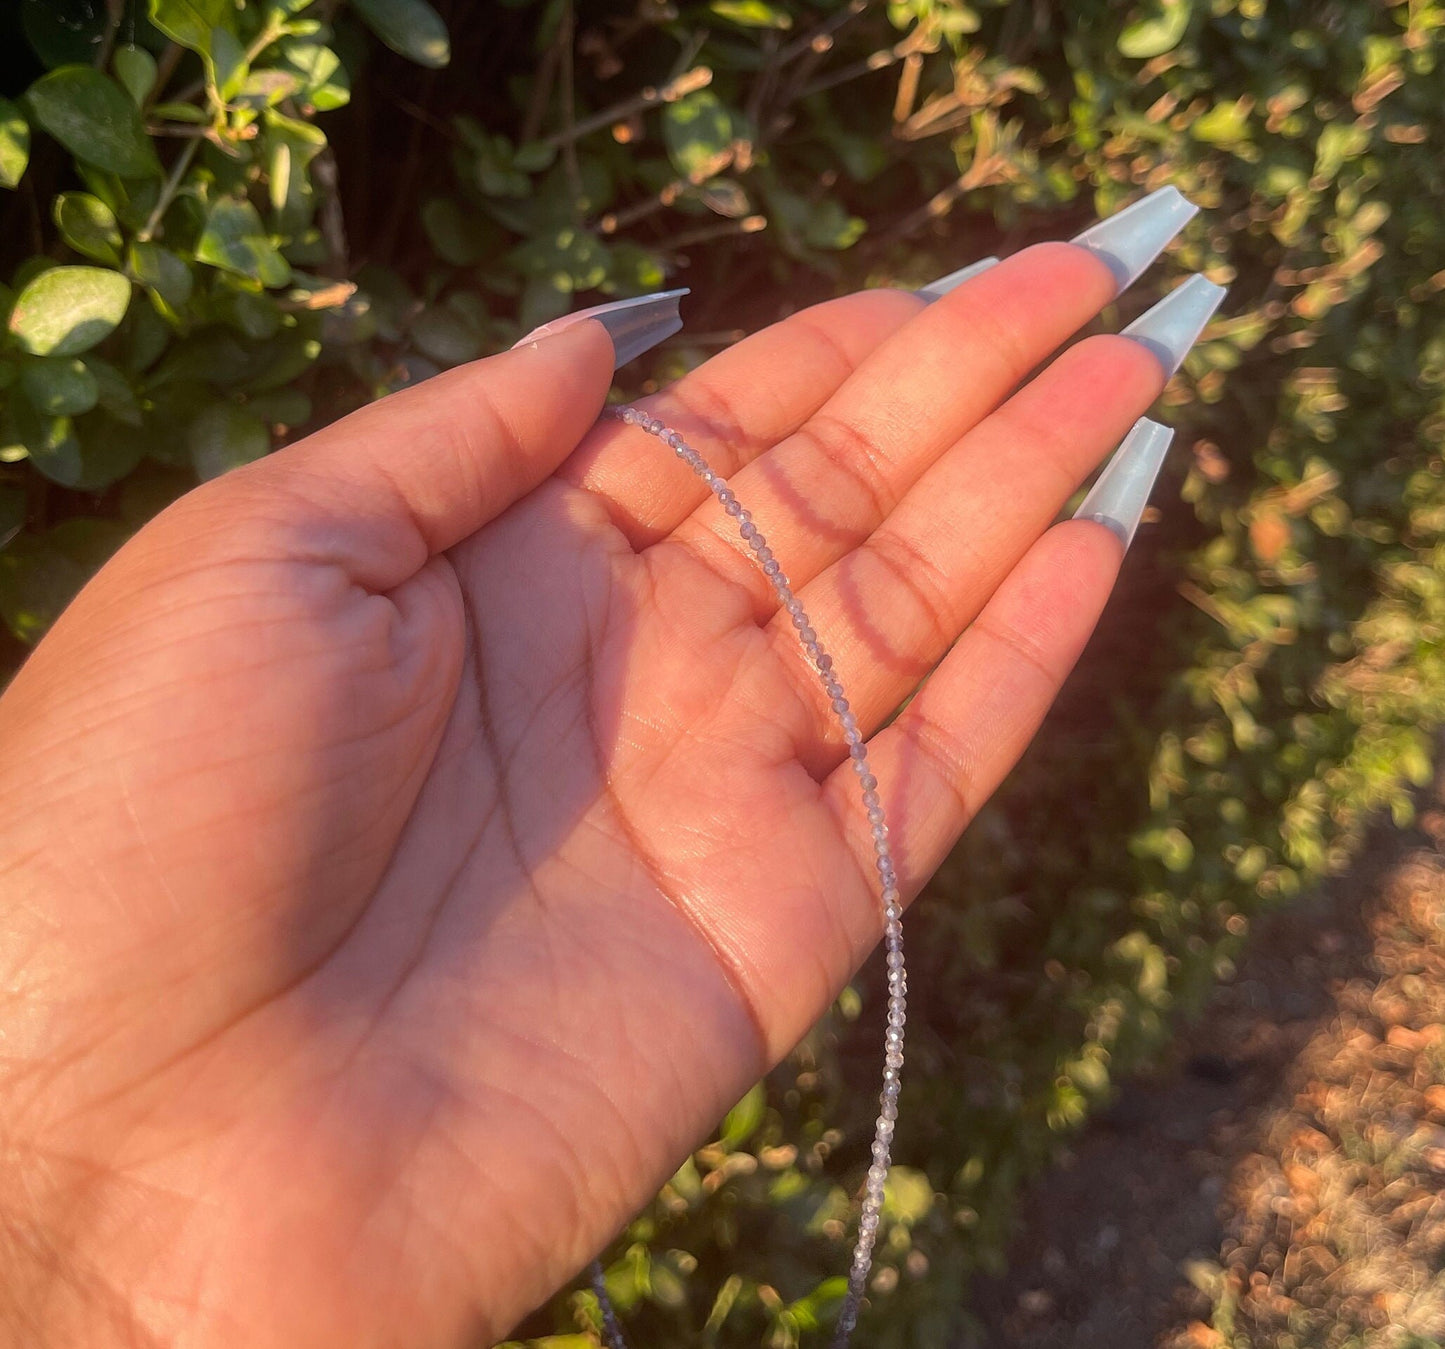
383 489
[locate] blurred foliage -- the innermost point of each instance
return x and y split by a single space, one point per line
241 219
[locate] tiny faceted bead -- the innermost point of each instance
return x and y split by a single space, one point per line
869 1219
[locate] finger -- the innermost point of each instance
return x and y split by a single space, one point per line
415 473
733 408
950 748
891 609
826 488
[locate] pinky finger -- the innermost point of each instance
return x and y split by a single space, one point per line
942 758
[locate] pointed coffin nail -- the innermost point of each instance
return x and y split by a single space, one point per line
1118 499
1173 325
1131 239
635 325
936 289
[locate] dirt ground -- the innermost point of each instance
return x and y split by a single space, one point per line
1278 1184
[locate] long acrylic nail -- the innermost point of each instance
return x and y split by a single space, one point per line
1118 498
635 325
935 289
1173 325
1131 239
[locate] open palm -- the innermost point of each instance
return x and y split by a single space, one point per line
416 840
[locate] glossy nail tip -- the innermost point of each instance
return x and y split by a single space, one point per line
634 325
1131 239
935 290
1118 498
1173 325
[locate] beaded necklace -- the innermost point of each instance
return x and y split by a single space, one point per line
822 663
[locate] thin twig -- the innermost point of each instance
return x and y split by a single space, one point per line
879 60
168 191
541 92
421 114
750 224
907 96
688 54
114 13
567 42
332 226
763 85
165 68
824 31
699 77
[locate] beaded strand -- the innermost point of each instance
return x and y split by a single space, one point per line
822 663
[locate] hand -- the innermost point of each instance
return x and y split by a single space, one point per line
416 840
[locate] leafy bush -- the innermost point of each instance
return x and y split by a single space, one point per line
218 265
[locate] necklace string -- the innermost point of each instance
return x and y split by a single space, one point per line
822 664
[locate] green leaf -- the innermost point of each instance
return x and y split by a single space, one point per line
324 81
59 386
907 1195
286 407
447 229
1159 31
110 451
256 316
752 13
88 225
14 143
743 1119
224 437
266 88
1223 124
446 336
136 69
180 112
190 22
229 64
410 27
67 310
114 393
94 118
828 225
163 273
49 442
698 129
37 581
235 240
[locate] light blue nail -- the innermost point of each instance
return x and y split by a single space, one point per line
1173 325
635 325
1131 239
1118 498
935 289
